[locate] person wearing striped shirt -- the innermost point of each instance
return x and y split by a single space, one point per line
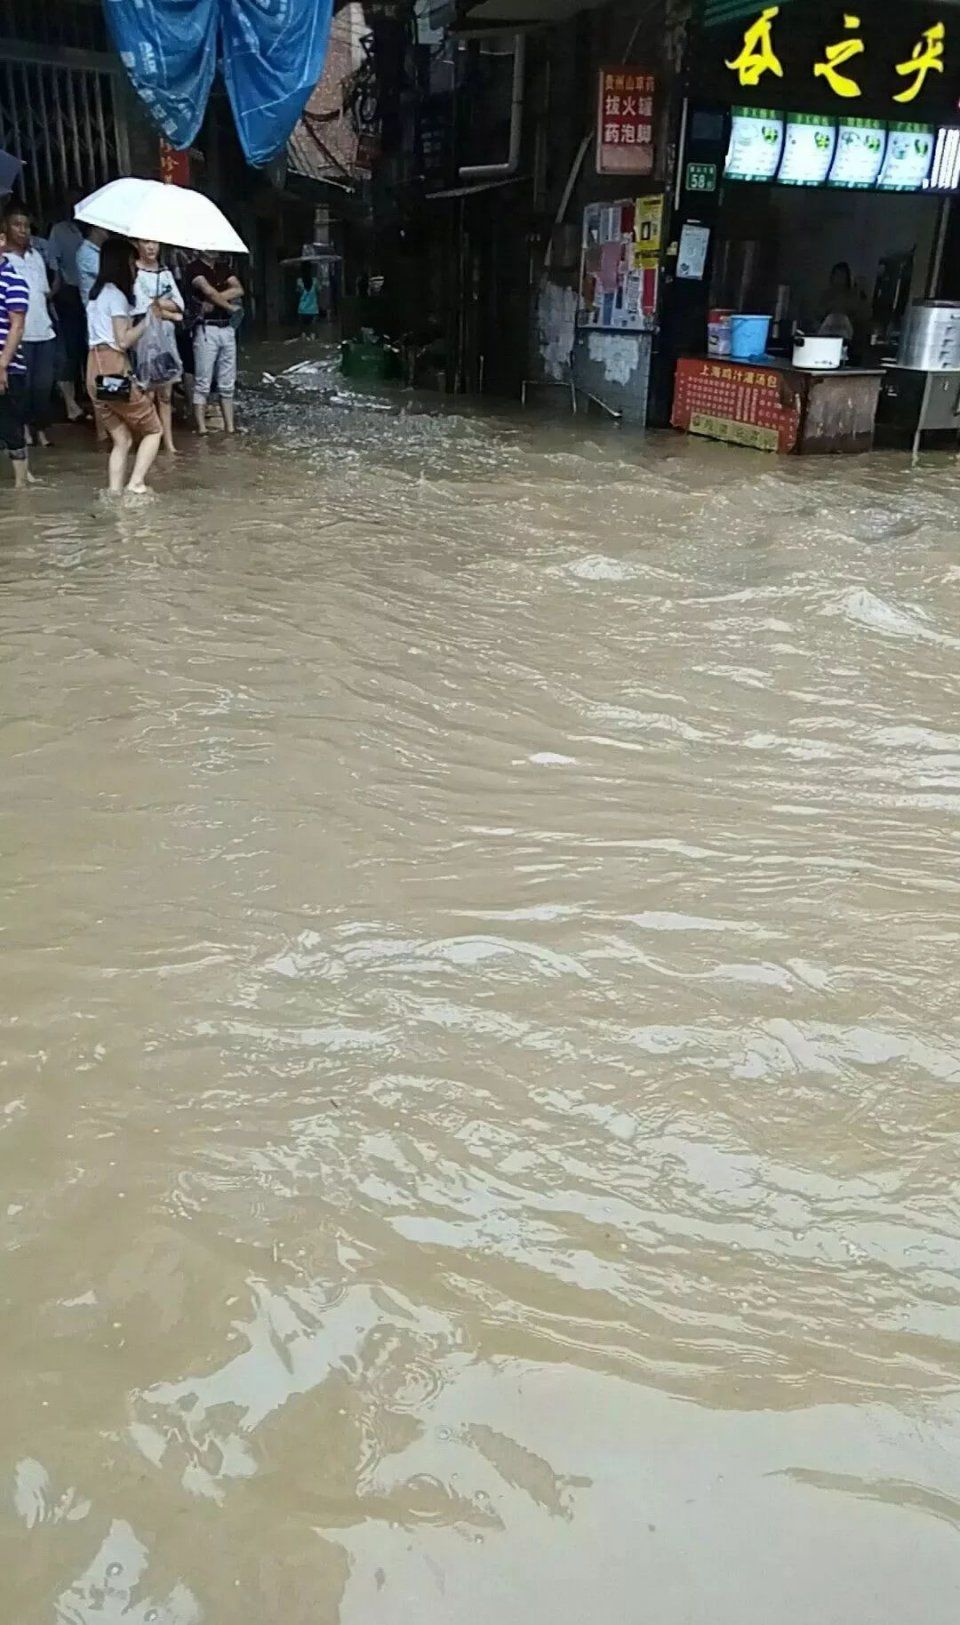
14 304
39 333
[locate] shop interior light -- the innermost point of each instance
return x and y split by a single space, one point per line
945 170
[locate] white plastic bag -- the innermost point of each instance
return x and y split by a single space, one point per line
157 358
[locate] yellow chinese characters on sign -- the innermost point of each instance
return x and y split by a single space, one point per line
926 57
758 55
836 56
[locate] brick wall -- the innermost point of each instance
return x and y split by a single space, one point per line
343 55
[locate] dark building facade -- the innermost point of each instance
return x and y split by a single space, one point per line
488 161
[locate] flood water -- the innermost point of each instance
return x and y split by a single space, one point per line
481 1055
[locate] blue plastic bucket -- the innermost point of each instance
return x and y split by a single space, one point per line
748 336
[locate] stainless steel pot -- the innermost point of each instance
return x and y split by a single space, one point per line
930 341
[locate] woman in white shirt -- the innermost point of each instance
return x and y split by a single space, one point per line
112 333
155 283
39 334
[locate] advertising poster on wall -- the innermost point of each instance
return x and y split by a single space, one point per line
620 264
648 228
692 253
625 121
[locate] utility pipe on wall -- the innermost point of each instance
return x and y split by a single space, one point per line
572 179
485 171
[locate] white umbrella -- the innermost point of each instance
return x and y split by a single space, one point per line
161 213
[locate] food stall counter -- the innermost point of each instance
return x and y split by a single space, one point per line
775 406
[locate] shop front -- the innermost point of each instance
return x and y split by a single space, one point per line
818 161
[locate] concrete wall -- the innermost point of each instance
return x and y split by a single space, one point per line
615 366
614 369
556 313
326 100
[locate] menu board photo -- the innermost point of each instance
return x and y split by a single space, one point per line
756 142
808 147
909 156
860 151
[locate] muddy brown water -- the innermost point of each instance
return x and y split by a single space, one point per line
480 906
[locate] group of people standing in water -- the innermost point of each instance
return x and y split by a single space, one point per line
109 310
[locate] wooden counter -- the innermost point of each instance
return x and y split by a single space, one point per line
776 407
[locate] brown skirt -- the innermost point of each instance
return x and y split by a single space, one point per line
138 413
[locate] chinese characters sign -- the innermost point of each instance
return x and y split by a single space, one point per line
701 178
751 406
856 57
625 122
174 165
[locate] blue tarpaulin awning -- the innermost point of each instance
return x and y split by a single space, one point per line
271 54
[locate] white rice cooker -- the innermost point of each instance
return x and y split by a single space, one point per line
818 354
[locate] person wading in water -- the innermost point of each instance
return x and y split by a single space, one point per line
112 332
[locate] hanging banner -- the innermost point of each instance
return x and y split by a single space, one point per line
625 121
174 165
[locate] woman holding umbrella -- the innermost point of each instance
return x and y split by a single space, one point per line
156 211
126 412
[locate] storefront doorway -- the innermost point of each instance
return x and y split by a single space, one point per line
810 145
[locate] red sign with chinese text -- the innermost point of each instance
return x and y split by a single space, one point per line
174 165
731 400
625 122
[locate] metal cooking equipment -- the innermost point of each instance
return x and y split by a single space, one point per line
930 341
914 404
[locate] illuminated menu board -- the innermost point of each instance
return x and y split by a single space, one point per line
756 142
813 149
945 171
909 156
808 147
860 151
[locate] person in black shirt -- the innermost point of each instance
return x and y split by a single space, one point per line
214 340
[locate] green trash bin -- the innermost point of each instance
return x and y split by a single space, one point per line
362 359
